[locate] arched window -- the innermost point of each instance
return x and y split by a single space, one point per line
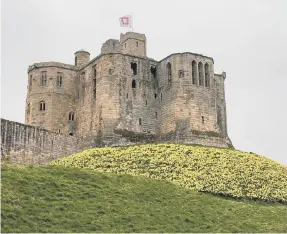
200 73
207 76
71 116
140 121
43 79
134 68
42 106
193 65
134 84
59 80
168 70
153 71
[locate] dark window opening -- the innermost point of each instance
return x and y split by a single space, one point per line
76 61
200 73
59 81
125 45
95 73
127 95
137 44
207 76
133 84
42 106
71 116
153 71
71 134
43 79
193 72
155 95
146 103
180 73
202 119
59 131
134 68
140 121
168 70
156 115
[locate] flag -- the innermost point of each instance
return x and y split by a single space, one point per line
126 21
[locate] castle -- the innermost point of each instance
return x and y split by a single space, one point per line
122 96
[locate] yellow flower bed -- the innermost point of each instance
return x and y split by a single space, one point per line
219 171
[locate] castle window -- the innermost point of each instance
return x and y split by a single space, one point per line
42 106
168 70
127 95
125 45
155 95
146 103
207 76
137 44
76 61
140 121
202 119
200 73
71 116
156 115
133 84
59 80
134 68
71 134
153 71
180 73
30 83
193 65
43 79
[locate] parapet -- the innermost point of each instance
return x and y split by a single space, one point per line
52 64
111 46
132 35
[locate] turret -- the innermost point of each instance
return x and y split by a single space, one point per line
82 58
133 43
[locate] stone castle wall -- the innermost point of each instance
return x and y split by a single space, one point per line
27 144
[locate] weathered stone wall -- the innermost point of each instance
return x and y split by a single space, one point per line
27 144
133 43
59 100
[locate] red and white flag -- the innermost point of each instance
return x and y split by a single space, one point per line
126 21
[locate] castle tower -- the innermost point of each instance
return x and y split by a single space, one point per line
133 43
82 58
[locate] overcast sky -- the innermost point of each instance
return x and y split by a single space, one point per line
247 39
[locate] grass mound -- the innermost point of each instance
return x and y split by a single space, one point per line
218 171
55 199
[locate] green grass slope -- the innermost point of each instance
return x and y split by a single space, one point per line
56 199
218 171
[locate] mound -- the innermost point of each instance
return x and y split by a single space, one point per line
61 200
219 171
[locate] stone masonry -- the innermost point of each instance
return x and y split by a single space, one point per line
122 96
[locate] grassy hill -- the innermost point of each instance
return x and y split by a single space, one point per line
219 171
57 199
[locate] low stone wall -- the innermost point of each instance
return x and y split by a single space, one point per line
22 144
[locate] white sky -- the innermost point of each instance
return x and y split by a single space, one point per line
247 39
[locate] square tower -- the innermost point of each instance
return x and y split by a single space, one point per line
133 43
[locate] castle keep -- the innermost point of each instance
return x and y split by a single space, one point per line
123 96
